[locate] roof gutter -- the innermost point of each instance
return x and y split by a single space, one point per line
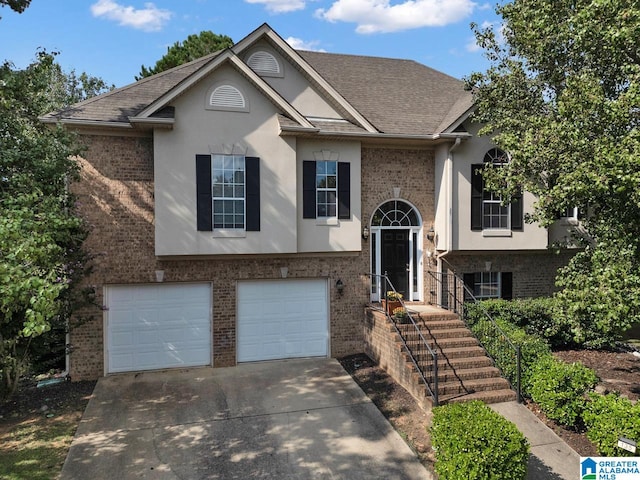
378 135
84 123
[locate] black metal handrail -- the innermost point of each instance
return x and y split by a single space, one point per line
420 350
451 293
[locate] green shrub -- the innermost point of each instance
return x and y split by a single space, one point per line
560 389
609 417
532 349
472 442
538 316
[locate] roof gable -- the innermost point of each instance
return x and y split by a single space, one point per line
376 95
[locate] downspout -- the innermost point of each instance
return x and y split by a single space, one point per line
449 196
448 170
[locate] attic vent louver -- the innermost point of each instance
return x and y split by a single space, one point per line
227 96
264 63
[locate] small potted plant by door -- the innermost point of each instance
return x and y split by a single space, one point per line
400 315
392 301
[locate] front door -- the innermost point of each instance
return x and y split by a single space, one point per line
395 259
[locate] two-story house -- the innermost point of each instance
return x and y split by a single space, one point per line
239 203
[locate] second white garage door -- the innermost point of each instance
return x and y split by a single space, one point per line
282 319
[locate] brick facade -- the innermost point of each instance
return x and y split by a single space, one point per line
116 198
533 272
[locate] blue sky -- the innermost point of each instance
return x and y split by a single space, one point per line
111 39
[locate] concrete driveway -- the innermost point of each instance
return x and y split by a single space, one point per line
296 419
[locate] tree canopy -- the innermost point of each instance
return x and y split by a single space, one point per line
194 47
562 96
16 5
41 258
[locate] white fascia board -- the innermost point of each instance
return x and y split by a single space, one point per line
87 123
377 135
152 122
460 120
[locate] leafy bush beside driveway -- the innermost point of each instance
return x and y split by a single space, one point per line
472 442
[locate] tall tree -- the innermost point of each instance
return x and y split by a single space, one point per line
194 47
562 96
41 258
16 5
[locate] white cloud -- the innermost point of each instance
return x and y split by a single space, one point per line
280 6
148 19
299 44
379 16
498 29
472 46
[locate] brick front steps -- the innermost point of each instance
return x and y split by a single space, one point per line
464 370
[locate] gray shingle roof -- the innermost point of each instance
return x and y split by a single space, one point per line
121 103
397 96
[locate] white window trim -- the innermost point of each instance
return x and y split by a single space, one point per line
415 296
496 232
499 286
327 219
571 220
226 231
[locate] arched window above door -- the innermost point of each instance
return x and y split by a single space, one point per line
395 213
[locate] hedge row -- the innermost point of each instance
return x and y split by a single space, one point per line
497 339
472 442
563 391
537 316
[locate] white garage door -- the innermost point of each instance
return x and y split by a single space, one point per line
158 326
282 319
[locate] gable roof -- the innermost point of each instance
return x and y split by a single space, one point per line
397 96
380 95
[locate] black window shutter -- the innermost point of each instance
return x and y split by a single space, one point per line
308 189
476 196
507 285
204 197
517 212
469 281
344 190
252 198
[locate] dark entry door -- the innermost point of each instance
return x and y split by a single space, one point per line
395 259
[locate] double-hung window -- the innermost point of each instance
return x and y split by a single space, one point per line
495 215
484 285
326 189
488 212
228 192
229 181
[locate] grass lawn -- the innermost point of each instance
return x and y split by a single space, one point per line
36 448
37 426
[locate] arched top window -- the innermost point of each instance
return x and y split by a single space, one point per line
497 157
395 213
226 97
265 64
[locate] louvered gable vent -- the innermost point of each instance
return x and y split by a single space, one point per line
263 63
227 96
